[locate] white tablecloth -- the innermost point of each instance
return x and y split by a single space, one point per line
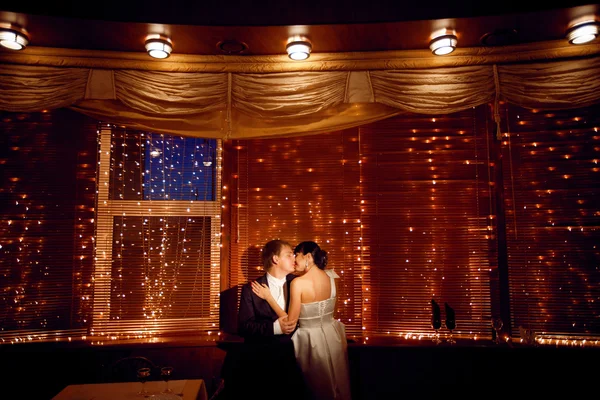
188 389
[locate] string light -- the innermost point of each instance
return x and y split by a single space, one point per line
175 172
316 212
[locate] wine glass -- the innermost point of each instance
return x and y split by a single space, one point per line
143 374
451 325
450 322
436 324
497 325
165 373
436 321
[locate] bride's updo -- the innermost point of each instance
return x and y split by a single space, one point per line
318 255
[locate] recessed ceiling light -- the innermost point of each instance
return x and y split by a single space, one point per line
13 36
444 44
298 48
158 46
583 32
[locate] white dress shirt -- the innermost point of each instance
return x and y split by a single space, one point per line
276 288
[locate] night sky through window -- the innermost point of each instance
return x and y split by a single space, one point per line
178 168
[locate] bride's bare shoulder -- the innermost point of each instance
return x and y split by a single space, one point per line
299 281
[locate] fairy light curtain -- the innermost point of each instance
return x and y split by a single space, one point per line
402 206
246 100
549 167
297 189
157 234
117 236
552 190
427 223
47 217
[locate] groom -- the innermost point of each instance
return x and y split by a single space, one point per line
269 364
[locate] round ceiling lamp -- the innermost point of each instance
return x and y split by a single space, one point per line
583 32
298 49
442 45
13 37
158 46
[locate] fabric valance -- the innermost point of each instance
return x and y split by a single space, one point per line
247 104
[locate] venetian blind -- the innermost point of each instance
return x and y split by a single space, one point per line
403 207
47 224
296 189
158 234
427 222
552 196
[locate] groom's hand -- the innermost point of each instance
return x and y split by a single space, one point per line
286 326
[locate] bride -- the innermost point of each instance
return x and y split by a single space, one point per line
320 341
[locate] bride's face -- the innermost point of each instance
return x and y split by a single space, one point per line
300 263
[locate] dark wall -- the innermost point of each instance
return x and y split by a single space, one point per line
53 366
472 371
378 372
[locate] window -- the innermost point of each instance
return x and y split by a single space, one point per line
403 207
158 234
415 208
117 232
552 195
47 197
427 222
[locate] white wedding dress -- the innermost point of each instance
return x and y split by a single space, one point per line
322 350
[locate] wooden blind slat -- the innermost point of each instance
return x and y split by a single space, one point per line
552 203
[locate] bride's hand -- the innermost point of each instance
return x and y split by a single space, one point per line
261 290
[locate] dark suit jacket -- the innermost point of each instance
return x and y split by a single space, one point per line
263 355
256 317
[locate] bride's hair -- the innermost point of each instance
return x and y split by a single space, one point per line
318 255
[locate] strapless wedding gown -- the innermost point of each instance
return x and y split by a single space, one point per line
322 349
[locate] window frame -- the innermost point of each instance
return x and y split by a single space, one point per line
107 209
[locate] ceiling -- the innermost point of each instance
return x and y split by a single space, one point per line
262 27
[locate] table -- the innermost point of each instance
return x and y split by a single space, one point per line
192 389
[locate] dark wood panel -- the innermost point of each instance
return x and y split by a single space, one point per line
276 12
265 31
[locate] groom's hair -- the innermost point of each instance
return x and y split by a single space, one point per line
270 249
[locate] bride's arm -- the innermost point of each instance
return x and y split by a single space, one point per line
263 291
295 300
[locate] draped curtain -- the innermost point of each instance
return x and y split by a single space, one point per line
266 98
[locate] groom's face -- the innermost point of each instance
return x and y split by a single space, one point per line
286 259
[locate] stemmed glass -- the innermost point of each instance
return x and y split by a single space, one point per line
451 325
165 373
497 325
143 374
450 322
436 324
436 321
